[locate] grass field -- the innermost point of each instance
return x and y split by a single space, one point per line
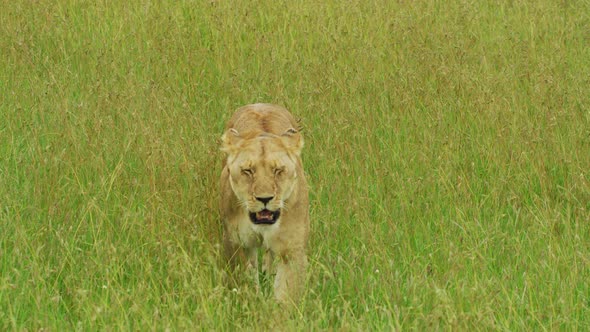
447 149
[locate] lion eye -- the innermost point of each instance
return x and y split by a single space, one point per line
247 172
279 170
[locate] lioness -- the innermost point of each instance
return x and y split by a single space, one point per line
264 195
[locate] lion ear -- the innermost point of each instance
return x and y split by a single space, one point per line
293 140
229 140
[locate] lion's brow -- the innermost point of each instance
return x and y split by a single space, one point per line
262 148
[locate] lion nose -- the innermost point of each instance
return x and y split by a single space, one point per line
264 200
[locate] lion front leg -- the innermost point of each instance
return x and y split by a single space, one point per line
289 281
234 258
267 263
233 252
240 259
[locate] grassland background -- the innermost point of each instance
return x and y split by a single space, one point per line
448 152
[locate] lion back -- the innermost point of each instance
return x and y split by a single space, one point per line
256 119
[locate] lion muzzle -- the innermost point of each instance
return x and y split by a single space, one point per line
265 217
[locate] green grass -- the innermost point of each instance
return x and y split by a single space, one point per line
447 148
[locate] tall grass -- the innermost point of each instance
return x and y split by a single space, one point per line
448 149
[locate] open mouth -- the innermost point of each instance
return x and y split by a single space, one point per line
265 217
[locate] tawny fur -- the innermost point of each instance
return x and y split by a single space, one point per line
263 146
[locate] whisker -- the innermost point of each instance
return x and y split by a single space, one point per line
242 203
285 206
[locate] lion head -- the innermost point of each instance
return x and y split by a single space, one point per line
263 171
